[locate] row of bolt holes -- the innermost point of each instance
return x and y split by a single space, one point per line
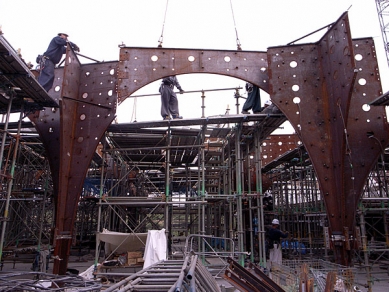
272 145
361 81
227 59
85 95
293 64
82 118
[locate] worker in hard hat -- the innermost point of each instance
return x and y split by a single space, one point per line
169 101
270 108
275 235
52 57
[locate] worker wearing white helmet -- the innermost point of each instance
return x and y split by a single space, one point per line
275 235
270 108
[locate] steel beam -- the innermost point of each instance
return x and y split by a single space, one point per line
141 66
86 95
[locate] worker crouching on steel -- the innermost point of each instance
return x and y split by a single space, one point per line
52 57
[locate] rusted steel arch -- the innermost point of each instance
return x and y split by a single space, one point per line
141 66
328 116
323 89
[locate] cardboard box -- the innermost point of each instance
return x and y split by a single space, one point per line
134 254
140 260
131 262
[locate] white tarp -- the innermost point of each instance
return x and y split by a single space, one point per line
122 242
155 250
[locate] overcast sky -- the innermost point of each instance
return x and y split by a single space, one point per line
99 26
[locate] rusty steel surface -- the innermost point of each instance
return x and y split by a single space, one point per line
249 281
47 124
71 136
277 145
368 131
140 66
322 89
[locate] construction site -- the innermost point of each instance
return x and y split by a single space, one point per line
76 183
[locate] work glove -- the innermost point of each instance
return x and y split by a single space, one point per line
181 91
74 46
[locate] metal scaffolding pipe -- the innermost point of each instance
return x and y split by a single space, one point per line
202 230
133 276
250 206
5 131
10 184
177 286
191 91
365 251
42 221
190 274
238 175
261 219
155 148
154 203
207 278
99 213
167 193
192 286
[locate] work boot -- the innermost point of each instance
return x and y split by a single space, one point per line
245 112
177 118
166 118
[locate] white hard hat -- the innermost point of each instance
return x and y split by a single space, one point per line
275 222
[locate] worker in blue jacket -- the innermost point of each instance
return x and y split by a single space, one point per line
52 57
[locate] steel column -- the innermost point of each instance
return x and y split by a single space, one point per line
323 89
71 135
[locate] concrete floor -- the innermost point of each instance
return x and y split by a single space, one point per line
380 279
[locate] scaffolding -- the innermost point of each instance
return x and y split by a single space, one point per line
221 179
209 189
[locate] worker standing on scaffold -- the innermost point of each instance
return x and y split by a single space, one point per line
253 100
169 101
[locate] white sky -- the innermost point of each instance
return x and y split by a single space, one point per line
99 26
